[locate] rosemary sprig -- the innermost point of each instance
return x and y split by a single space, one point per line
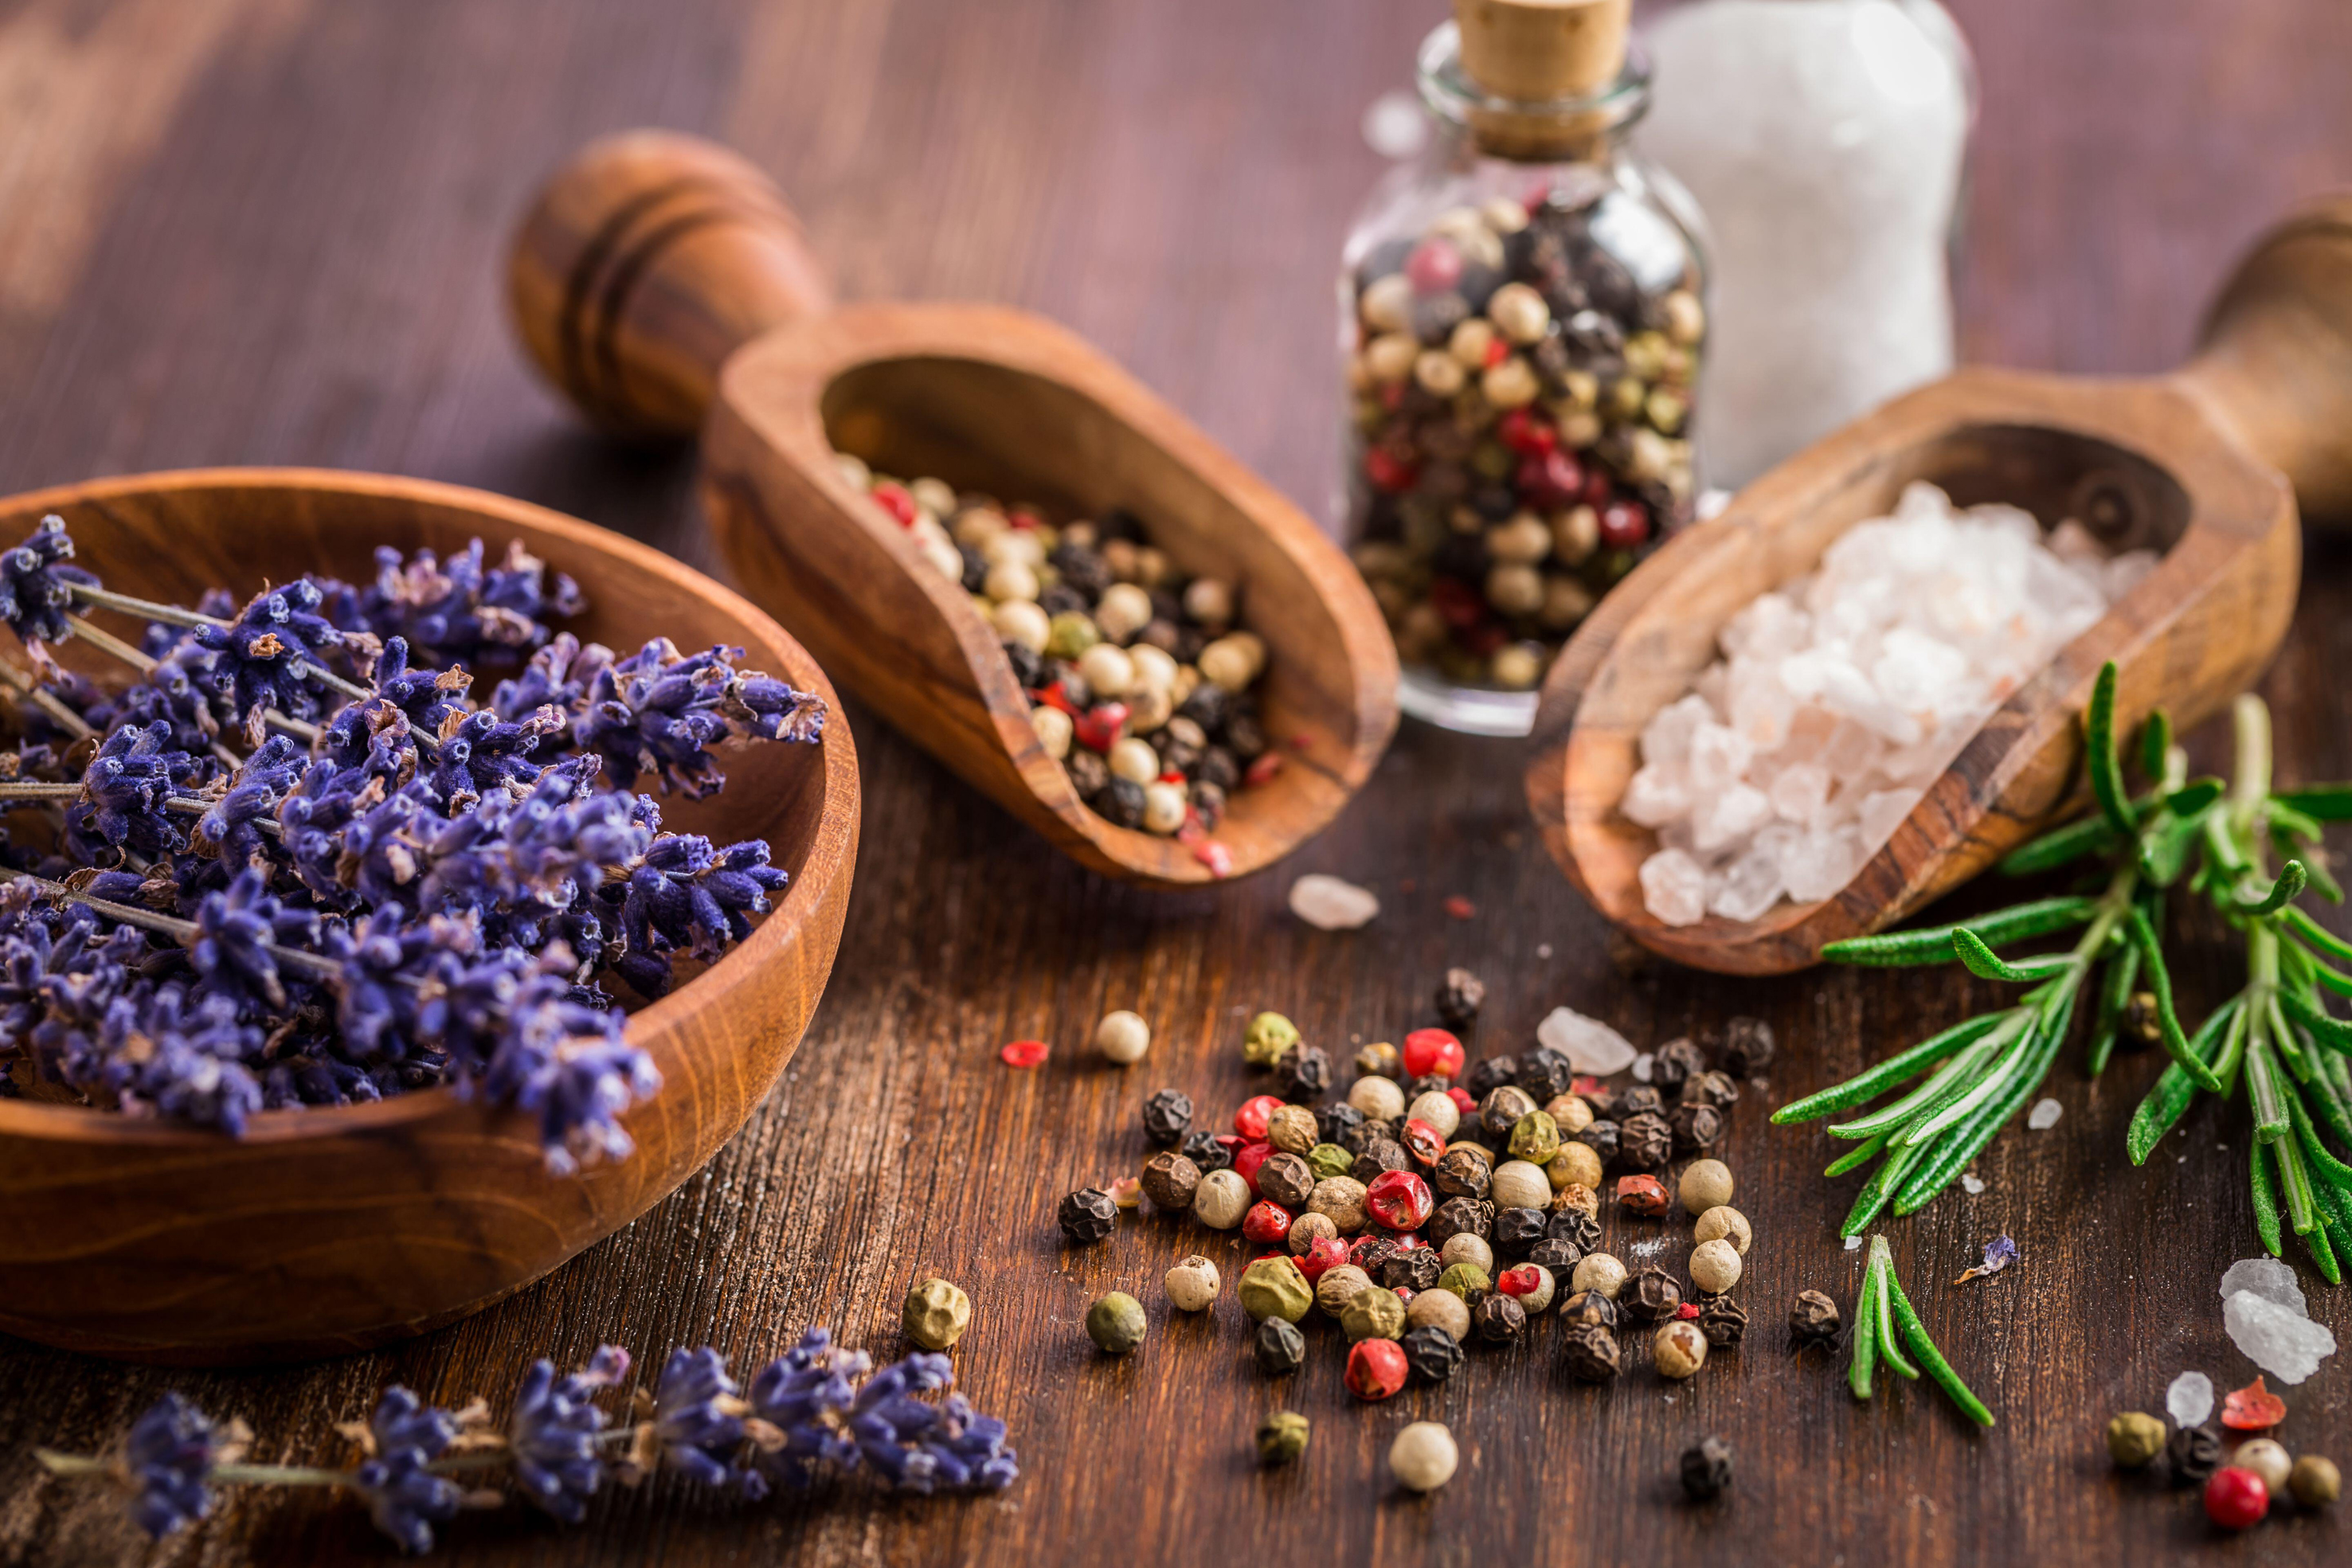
1886 1327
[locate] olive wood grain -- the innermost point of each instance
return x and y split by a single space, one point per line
324 1230
2198 463
985 397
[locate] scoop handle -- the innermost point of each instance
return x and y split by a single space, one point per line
647 260
2274 355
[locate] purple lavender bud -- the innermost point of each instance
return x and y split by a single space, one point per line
232 929
267 657
129 778
230 830
552 1433
169 1454
404 1499
35 595
698 1416
179 1057
455 609
759 706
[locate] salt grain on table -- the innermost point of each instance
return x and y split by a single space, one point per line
2278 1339
2190 1400
1972 1185
1329 903
2270 1278
2044 1115
1589 1045
1839 698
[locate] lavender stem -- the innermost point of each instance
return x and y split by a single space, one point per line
165 924
24 687
173 615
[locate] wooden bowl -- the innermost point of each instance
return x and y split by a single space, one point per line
661 283
326 1231
2205 464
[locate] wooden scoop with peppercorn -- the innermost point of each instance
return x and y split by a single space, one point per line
1115 630
2205 466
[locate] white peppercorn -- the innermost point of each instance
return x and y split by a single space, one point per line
1107 670
1338 1286
1227 662
2267 1458
1518 1185
1291 1129
1053 729
1724 1223
1122 611
1209 601
1598 1273
1678 1348
1018 621
1706 1185
1342 1199
1439 1308
1192 1284
1123 1037
1379 1099
1308 1229
1576 1164
1714 1266
1466 1246
1132 758
1572 1112
1439 1111
1423 1456
1164 806
1221 1200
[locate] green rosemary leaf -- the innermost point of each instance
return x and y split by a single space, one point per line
2163 848
1915 1335
2325 1168
2323 1254
2099 745
2322 882
2314 934
2262 1092
2194 797
1978 957
2330 1031
2308 971
1952 1080
2161 1110
2325 802
1896 1068
1859 1156
1874 1196
2061 846
2284 890
1949 1156
1933 944
2334 1100
2154 740
2266 1213
2160 981
2302 1213
2287 822
2115 982
2288 1041
1890 1348
1865 1340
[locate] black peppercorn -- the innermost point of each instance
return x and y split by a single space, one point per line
1169 1180
1028 664
1499 1319
2195 1453
1218 769
1088 773
1645 1142
1706 1469
1457 1216
1501 1109
1651 1296
1427 1084
1281 1349
1061 600
1545 1074
1379 1157
1812 1320
1637 1098
1302 1074
1120 803
1515 1231
1209 706
1600 1137
1379 1060
1573 1225
1590 1307
1088 1214
1166 1117
1432 1352
1723 1322
1286 1180
1673 1063
1205 1151
1416 1270
1590 1349
1556 1254
1695 1127
1459 996
1747 1047
1485 1077
1364 1134
1715 1089
1463 1172
1333 1122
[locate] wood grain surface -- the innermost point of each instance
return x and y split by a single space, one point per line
270 231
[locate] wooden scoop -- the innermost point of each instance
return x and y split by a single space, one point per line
662 285
2197 463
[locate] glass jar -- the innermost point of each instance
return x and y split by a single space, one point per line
1827 140
1522 319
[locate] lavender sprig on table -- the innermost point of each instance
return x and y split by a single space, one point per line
813 1412
295 861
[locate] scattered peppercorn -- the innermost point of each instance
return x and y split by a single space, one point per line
1812 1320
1432 1052
1545 1074
1374 1314
1282 1437
2267 1458
1116 1323
1414 1270
1126 1191
1467 1248
1378 1158
1169 1180
1339 1286
1192 1284
2315 1481
1694 1128
1303 1073
1715 1266
1678 1349
1556 1253
1379 1060
1371 1249
1459 996
1457 1216
1723 1322
1292 1129
1266 1038
1599 1272
2194 1454
1087 1215
1576 1194
1166 1117
1439 1310
1464 1171
1500 1109
1281 1349
1342 1198
1376 1368
935 1314
1467 1281
1272 1287
2135 1439
1265 1223
1207 1151
1123 1037
2142 1022
1499 1318
1380 1099
1645 1142
1516 1231
1715 1089
1328 1160
1535 1138
1221 1200
1600 1135
1638 1098
1590 1307
1673 1063
1322 1255
1529 1284
1333 1122
1424 1140
1747 1047
2235 1497
1423 1456
1589 1351
1433 1355
1651 1295
1485 1077
1642 1195
1706 1467
1724 1223
1286 1180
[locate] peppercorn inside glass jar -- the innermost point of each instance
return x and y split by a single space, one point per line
1523 319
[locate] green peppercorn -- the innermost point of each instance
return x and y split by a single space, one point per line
1535 1138
1070 634
2133 1438
1274 1287
1282 1437
1267 1037
1328 1160
1375 1312
1467 1281
1115 1323
935 1314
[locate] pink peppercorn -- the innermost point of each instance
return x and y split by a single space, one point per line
1247 1158
1433 267
1399 1200
1323 1253
1552 479
1642 1195
1265 1222
1097 729
1376 1369
1525 434
1432 1052
1387 472
1250 1120
2234 1499
896 500
1624 525
1025 1053
1422 1141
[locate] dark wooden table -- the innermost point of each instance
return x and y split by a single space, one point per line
270 231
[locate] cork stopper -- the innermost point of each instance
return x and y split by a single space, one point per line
1541 51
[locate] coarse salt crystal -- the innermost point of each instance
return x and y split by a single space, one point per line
2044 1115
2190 1400
1642 1066
1589 1045
2271 1278
2280 1339
1329 903
1853 1243
1971 1183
